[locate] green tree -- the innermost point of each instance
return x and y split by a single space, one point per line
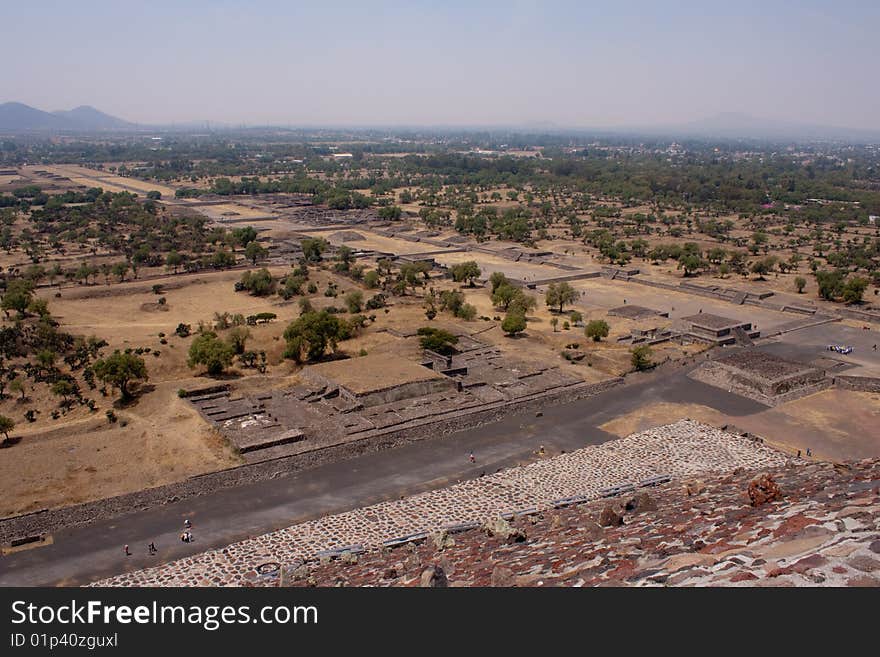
254 251
763 266
504 294
390 212
120 269
259 283
292 286
830 284
522 303
800 283
6 425
212 352
466 271
18 296
597 329
311 333
238 338
513 323
496 280
173 261
854 289
64 389
354 300
244 236
345 256
222 259
437 340
559 295
119 370
371 279
690 262
641 357
312 248
18 385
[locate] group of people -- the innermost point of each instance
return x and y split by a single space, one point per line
185 537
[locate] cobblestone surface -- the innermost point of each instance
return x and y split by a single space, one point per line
680 450
823 529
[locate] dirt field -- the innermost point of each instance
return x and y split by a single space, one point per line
108 181
164 441
835 425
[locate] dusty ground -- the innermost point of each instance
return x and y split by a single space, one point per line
164 441
91 458
836 425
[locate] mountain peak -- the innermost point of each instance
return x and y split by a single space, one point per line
18 117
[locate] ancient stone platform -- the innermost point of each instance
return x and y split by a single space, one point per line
348 400
761 376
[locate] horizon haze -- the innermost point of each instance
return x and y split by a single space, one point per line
558 64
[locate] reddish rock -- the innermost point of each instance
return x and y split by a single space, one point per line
624 569
433 577
609 518
502 577
864 563
763 489
743 576
776 572
794 524
805 564
641 503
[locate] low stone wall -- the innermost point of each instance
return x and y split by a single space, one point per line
49 520
859 383
859 315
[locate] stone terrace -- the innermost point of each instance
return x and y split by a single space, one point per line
822 529
682 449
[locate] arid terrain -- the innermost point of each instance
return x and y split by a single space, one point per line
251 312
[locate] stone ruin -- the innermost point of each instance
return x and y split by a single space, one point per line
348 400
719 330
761 376
631 311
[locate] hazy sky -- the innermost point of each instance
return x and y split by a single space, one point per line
585 63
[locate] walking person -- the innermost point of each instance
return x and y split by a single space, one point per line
126 550
472 458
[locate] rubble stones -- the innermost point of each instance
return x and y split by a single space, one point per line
641 503
610 518
763 489
433 577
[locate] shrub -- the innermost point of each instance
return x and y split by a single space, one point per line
597 329
438 340
641 357
514 323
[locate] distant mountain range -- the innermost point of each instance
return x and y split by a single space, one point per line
735 125
21 118
18 117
